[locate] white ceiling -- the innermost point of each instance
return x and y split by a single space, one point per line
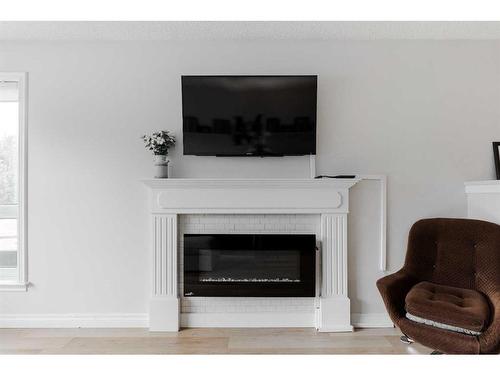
247 30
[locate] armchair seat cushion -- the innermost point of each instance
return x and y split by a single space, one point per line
449 307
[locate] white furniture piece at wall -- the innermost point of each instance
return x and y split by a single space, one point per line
328 198
483 200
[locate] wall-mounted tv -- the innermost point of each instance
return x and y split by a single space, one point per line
249 115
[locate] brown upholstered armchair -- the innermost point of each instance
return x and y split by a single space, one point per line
447 295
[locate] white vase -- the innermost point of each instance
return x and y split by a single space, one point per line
161 166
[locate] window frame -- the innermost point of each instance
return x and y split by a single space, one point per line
21 283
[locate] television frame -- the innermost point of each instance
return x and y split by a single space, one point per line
252 76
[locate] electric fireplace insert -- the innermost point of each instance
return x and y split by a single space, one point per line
249 265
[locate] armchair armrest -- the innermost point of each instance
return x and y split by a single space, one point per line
394 289
489 341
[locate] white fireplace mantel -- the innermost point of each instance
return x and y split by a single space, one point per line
184 196
327 197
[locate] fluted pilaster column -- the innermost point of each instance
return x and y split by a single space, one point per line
164 305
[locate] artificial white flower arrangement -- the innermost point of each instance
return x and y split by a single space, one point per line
159 142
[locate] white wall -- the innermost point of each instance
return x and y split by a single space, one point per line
422 112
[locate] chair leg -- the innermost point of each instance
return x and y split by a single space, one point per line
406 340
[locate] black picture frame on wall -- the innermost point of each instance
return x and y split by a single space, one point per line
496 155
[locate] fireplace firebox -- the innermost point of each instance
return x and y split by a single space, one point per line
249 265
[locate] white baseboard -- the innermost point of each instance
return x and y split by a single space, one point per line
74 320
247 320
187 320
379 320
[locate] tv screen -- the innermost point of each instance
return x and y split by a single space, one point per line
249 115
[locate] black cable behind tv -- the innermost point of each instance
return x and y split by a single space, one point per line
337 176
249 155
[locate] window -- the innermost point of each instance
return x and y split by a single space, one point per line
13 275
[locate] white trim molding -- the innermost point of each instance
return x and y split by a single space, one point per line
383 216
74 320
13 287
141 320
248 30
21 284
374 320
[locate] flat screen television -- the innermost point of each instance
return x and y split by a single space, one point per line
249 115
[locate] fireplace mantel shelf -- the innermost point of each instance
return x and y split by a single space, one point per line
184 196
166 183
328 198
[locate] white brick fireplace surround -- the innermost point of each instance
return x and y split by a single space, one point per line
190 206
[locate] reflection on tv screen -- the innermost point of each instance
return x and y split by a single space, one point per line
249 115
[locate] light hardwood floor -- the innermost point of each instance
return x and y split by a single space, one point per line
204 341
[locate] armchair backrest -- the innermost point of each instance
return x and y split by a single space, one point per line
463 253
